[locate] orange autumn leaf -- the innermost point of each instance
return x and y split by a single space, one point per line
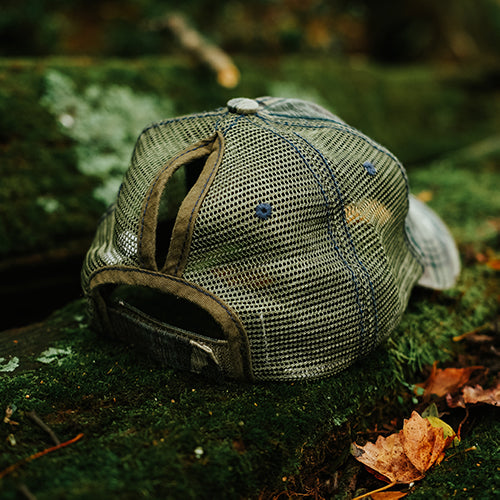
443 381
476 395
494 263
423 443
387 458
404 457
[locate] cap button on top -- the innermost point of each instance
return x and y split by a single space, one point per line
243 106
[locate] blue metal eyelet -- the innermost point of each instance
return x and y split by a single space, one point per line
370 168
263 210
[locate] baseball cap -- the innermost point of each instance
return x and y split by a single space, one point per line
264 240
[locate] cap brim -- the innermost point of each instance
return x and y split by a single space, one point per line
434 246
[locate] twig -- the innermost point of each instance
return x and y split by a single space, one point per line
38 421
15 466
459 431
26 492
386 487
458 338
228 74
461 452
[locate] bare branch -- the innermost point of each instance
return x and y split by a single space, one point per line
191 40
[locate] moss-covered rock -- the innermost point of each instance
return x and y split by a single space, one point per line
155 433
67 127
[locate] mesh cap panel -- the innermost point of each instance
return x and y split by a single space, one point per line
118 235
318 283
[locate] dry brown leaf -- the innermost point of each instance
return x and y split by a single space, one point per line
443 381
388 459
423 443
404 457
475 395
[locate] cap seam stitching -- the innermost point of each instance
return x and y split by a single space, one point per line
234 122
346 229
162 123
337 126
348 129
179 119
305 117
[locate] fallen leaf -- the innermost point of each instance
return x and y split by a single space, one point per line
382 494
489 258
423 443
388 459
444 381
388 495
447 429
494 263
404 457
431 413
475 395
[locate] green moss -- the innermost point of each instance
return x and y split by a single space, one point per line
143 424
39 184
472 470
425 335
465 196
152 432
105 122
417 112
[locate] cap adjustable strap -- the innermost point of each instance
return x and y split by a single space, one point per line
169 344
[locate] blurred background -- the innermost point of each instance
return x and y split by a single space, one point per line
80 79
452 31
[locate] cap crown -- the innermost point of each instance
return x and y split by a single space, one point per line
296 225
